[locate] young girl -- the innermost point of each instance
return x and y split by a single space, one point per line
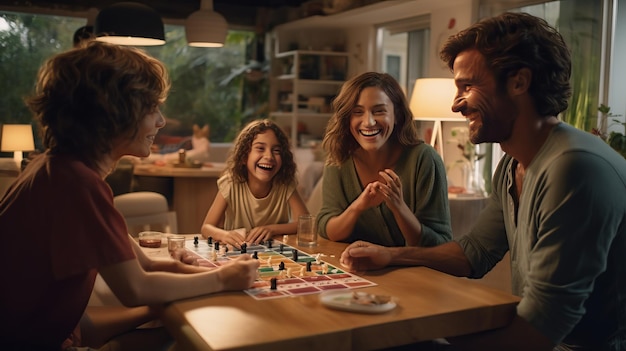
258 189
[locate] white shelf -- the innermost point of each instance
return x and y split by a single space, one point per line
301 86
310 52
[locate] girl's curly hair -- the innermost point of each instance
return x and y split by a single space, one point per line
236 164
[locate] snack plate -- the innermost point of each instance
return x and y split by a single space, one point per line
343 300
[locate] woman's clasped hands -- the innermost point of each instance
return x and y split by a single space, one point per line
388 191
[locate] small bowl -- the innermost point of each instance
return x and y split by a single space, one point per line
150 239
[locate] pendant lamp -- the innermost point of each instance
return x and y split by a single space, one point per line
205 27
130 23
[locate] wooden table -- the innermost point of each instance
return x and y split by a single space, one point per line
430 305
194 191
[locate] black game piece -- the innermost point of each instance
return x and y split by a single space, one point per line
195 240
295 254
244 248
273 283
281 266
217 246
210 240
308 266
269 243
255 255
281 247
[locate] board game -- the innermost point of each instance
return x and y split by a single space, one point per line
284 270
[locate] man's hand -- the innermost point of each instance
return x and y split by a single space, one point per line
363 256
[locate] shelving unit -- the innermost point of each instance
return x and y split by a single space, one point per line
303 85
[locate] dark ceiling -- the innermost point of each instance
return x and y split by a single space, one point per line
237 12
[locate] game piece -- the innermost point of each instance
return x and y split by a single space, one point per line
269 243
244 248
273 283
210 240
217 246
308 266
269 261
324 268
285 237
281 247
294 252
289 272
255 255
213 255
195 240
281 266
302 271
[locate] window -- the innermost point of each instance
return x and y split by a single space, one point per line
403 49
223 87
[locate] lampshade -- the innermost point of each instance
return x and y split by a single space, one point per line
205 27
432 98
17 138
130 23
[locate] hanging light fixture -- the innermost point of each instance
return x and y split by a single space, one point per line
205 27
130 23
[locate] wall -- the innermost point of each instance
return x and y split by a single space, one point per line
463 14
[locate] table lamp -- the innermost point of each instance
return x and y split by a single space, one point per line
431 100
17 138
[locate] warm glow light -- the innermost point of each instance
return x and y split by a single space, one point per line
205 27
17 138
432 98
129 23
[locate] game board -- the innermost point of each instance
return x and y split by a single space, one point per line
284 270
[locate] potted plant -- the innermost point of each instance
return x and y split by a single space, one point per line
615 139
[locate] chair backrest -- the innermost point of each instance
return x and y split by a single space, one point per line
146 210
314 203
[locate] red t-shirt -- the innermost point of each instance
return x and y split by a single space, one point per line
58 227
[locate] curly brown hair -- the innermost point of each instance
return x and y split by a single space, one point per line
339 143
512 41
88 97
236 164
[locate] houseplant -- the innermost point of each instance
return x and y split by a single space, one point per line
617 140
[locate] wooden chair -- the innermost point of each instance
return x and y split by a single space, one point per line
146 210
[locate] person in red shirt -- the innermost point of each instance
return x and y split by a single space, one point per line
94 104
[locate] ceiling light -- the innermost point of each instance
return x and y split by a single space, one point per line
205 27
130 23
